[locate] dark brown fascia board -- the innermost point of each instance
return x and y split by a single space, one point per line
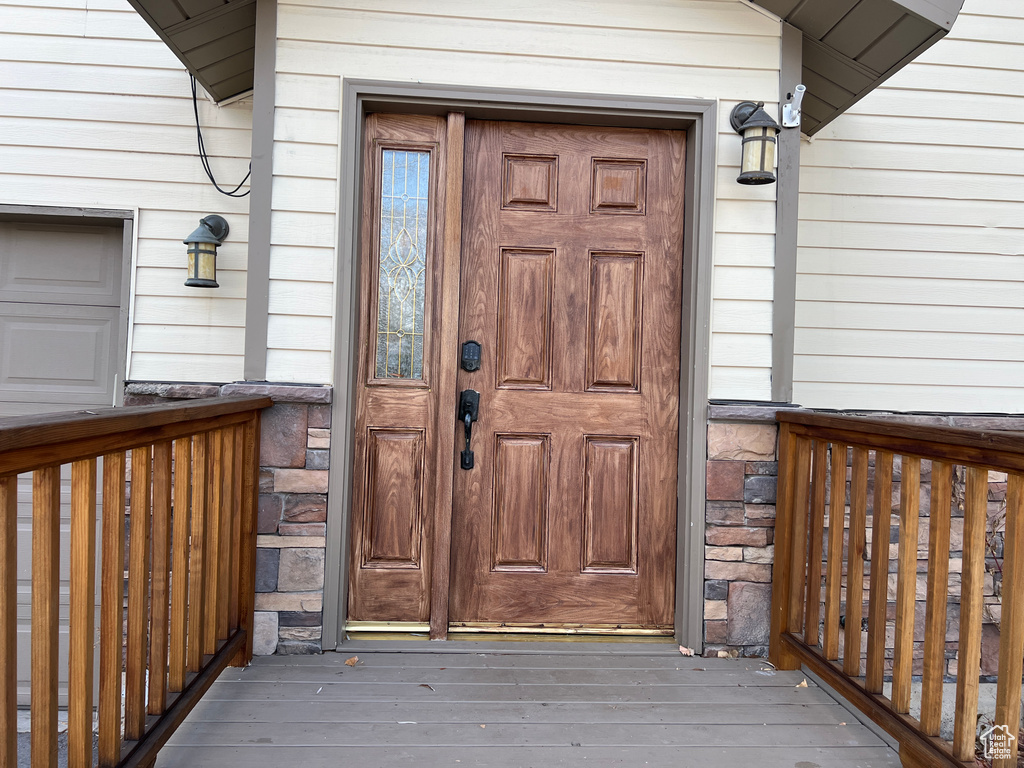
879 79
942 13
166 35
939 13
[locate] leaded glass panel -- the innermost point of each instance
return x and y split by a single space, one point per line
402 276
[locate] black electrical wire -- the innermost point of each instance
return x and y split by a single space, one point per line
204 158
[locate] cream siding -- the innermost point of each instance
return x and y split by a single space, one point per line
717 49
96 112
910 287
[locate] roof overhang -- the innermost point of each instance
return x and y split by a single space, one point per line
214 39
851 46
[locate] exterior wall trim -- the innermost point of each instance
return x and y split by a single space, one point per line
257 276
787 219
55 214
698 118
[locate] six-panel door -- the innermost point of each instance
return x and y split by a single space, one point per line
571 281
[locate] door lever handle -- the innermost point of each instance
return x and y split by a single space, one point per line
469 410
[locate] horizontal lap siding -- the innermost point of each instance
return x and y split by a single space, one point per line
910 292
96 112
717 49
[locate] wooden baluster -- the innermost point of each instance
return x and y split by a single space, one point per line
160 579
798 553
236 528
8 621
138 597
214 513
111 610
247 553
45 613
197 554
936 599
179 565
834 562
82 612
227 515
1011 628
969 654
906 583
855 563
819 475
881 524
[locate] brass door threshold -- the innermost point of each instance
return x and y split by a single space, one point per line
603 630
408 627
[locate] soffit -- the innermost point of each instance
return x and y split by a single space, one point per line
851 46
214 39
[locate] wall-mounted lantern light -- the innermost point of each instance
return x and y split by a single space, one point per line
202 251
759 133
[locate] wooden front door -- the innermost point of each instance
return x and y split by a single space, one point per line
570 281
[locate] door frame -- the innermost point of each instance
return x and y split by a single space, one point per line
698 117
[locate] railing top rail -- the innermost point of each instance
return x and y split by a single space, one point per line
61 437
953 443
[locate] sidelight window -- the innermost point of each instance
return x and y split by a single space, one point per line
402 270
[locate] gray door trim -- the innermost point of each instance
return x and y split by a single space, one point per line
109 217
698 117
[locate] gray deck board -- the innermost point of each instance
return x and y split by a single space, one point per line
530 757
282 712
519 704
490 734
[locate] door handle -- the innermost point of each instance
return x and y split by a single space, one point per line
469 410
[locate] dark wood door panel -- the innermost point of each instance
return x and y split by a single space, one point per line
571 280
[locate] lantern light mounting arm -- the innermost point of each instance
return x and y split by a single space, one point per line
742 112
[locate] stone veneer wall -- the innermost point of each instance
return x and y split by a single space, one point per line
295 442
739 533
742 470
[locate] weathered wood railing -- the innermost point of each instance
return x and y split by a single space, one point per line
815 451
193 474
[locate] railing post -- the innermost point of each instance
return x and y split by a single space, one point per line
969 653
855 561
881 525
83 612
937 597
1011 640
819 476
160 578
781 574
247 555
45 613
8 621
197 554
906 582
834 566
179 566
111 609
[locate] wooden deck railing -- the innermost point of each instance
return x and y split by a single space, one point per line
812 550
193 474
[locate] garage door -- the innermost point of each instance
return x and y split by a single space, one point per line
60 293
